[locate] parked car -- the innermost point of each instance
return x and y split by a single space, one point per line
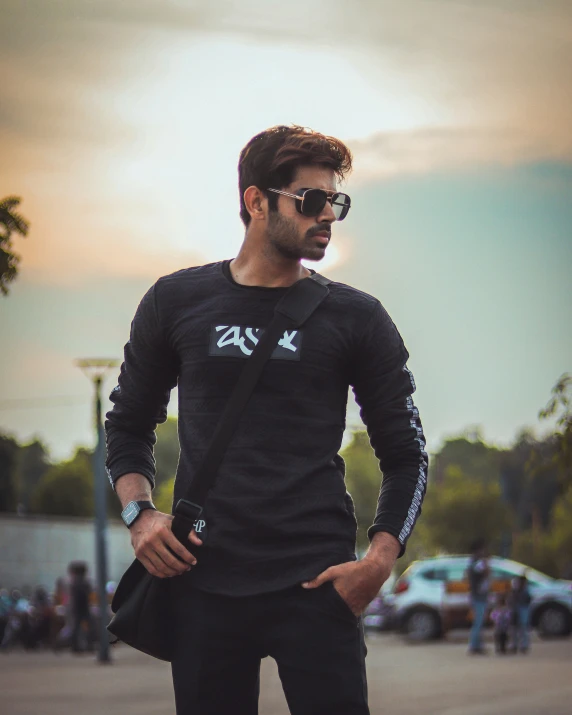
426 605
379 615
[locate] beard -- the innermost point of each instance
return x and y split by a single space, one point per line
284 236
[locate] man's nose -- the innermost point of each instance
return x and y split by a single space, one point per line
327 214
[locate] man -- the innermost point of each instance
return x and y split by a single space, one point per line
478 574
273 572
80 615
520 599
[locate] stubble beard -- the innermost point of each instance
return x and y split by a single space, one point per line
284 237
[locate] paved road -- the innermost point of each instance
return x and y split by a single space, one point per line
435 679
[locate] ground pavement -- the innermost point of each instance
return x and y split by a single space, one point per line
427 679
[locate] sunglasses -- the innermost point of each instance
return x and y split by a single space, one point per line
311 202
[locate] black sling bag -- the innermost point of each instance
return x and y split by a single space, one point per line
141 604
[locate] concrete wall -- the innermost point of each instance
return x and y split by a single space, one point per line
37 550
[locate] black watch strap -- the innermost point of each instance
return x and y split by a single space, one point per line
133 509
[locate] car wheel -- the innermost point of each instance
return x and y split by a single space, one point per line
554 621
422 625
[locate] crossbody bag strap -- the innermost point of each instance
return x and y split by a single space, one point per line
291 311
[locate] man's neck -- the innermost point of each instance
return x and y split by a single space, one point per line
256 268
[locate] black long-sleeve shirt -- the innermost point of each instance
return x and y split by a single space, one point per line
279 512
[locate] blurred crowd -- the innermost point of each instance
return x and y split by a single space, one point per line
65 618
511 612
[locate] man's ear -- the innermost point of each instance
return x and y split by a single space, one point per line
256 203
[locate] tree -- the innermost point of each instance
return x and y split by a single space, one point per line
471 454
537 551
547 544
560 407
33 463
67 488
167 459
10 222
530 480
167 450
163 496
461 510
363 480
8 463
561 534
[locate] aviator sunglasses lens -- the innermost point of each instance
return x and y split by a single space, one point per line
314 202
340 205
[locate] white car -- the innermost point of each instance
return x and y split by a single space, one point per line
421 599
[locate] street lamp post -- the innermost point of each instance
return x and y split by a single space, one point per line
95 369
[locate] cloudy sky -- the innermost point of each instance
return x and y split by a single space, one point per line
120 128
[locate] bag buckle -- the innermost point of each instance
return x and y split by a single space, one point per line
188 510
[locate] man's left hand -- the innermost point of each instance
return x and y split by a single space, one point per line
358 582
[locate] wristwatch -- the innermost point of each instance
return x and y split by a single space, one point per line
133 509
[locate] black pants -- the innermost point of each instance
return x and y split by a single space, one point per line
501 639
316 640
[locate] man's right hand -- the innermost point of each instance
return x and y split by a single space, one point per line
155 545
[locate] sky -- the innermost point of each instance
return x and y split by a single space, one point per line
121 125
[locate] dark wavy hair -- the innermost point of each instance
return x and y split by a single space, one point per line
270 160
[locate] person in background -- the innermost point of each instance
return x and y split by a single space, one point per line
501 616
81 620
17 627
40 619
520 602
5 609
61 592
62 622
478 574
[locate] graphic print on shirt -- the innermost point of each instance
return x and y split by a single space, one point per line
239 341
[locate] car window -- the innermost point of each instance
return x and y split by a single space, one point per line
534 577
455 572
434 575
501 574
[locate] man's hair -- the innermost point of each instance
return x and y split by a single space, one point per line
271 158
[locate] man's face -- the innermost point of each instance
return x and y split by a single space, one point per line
296 236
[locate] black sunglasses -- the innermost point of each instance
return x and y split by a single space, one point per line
311 202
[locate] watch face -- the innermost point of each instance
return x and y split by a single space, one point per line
130 513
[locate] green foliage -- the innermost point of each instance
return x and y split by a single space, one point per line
166 451
478 460
561 534
560 408
530 480
419 546
166 458
363 480
33 463
10 222
536 549
67 488
460 510
113 504
8 465
163 496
